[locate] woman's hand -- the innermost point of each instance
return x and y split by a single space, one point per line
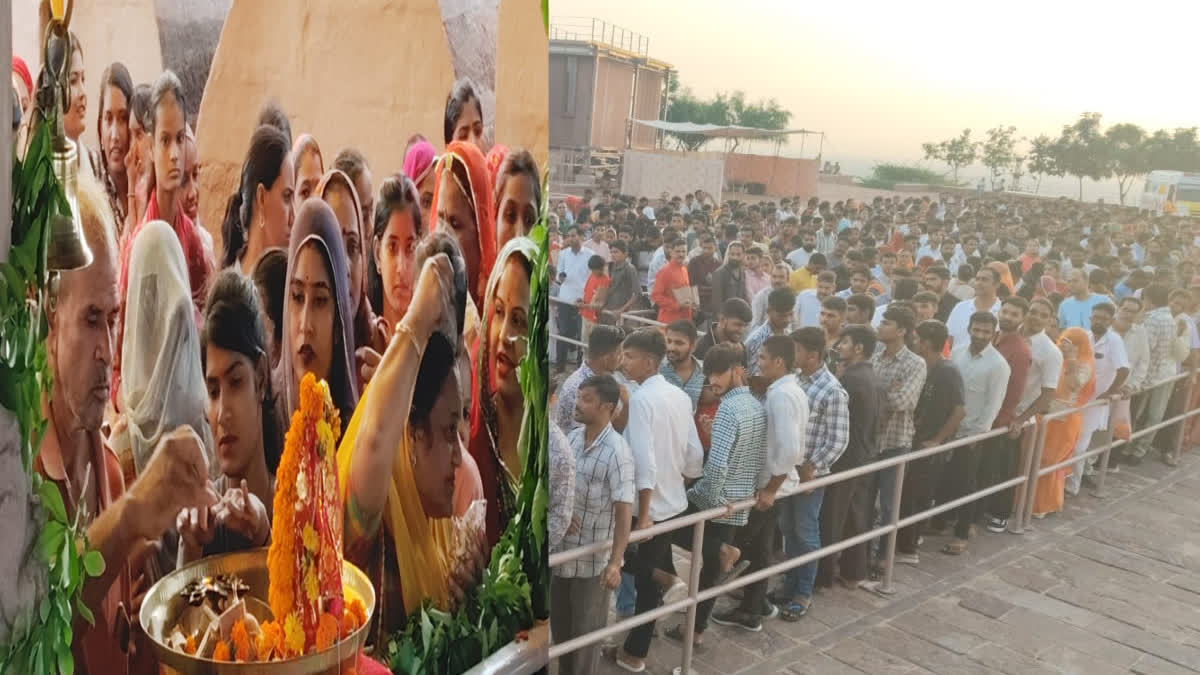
431 299
368 360
243 512
196 526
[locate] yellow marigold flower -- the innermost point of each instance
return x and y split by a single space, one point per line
293 635
311 588
310 538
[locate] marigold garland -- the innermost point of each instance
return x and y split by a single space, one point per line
304 562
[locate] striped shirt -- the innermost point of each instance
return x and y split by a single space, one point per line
828 418
902 376
739 449
603 476
1160 336
694 384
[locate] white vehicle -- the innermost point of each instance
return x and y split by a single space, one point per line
1171 192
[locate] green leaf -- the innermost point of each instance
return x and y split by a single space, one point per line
44 609
66 661
52 500
50 540
426 630
93 563
84 612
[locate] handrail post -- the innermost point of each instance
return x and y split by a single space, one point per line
1104 457
1183 421
1016 524
1039 448
689 624
889 562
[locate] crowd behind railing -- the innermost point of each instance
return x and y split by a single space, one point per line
846 399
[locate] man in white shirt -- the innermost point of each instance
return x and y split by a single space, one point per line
985 300
1112 367
985 382
808 245
667 456
779 279
572 278
808 303
787 424
932 247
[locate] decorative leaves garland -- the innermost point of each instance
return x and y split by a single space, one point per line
39 642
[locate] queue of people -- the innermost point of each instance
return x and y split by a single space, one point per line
177 364
792 344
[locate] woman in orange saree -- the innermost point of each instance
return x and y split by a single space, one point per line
1075 386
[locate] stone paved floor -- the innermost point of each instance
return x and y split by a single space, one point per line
1108 586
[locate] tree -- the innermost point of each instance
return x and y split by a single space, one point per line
1043 159
722 109
1178 151
1127 154
1082 151
999 150
957 152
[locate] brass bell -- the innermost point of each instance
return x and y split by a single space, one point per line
67 248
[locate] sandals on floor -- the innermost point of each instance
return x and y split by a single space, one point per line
956 547
793 611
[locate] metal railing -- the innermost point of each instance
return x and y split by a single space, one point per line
1027 478
601 32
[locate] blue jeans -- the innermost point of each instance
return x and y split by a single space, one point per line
626 596
800 522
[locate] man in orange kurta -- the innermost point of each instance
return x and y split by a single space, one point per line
73 454
670 278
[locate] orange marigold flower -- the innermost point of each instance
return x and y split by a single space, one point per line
327 631
241 640
270 640
356 607
221 653
189 647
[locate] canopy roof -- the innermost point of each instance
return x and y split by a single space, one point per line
720 131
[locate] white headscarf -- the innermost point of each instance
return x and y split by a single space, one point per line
162 383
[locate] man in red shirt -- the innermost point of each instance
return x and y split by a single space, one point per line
1001 454
671 278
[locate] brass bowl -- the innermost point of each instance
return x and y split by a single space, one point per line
163 605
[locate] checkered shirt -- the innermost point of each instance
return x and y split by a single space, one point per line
739 449
902 376
603 475
828 418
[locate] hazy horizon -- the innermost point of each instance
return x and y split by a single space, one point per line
882 81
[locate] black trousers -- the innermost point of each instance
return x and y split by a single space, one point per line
961 478
921 479
756 539
654 553
715 536
570 325
845 512
998 462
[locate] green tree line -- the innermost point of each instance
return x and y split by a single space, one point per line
1083 149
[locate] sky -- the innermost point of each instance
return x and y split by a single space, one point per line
880 78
